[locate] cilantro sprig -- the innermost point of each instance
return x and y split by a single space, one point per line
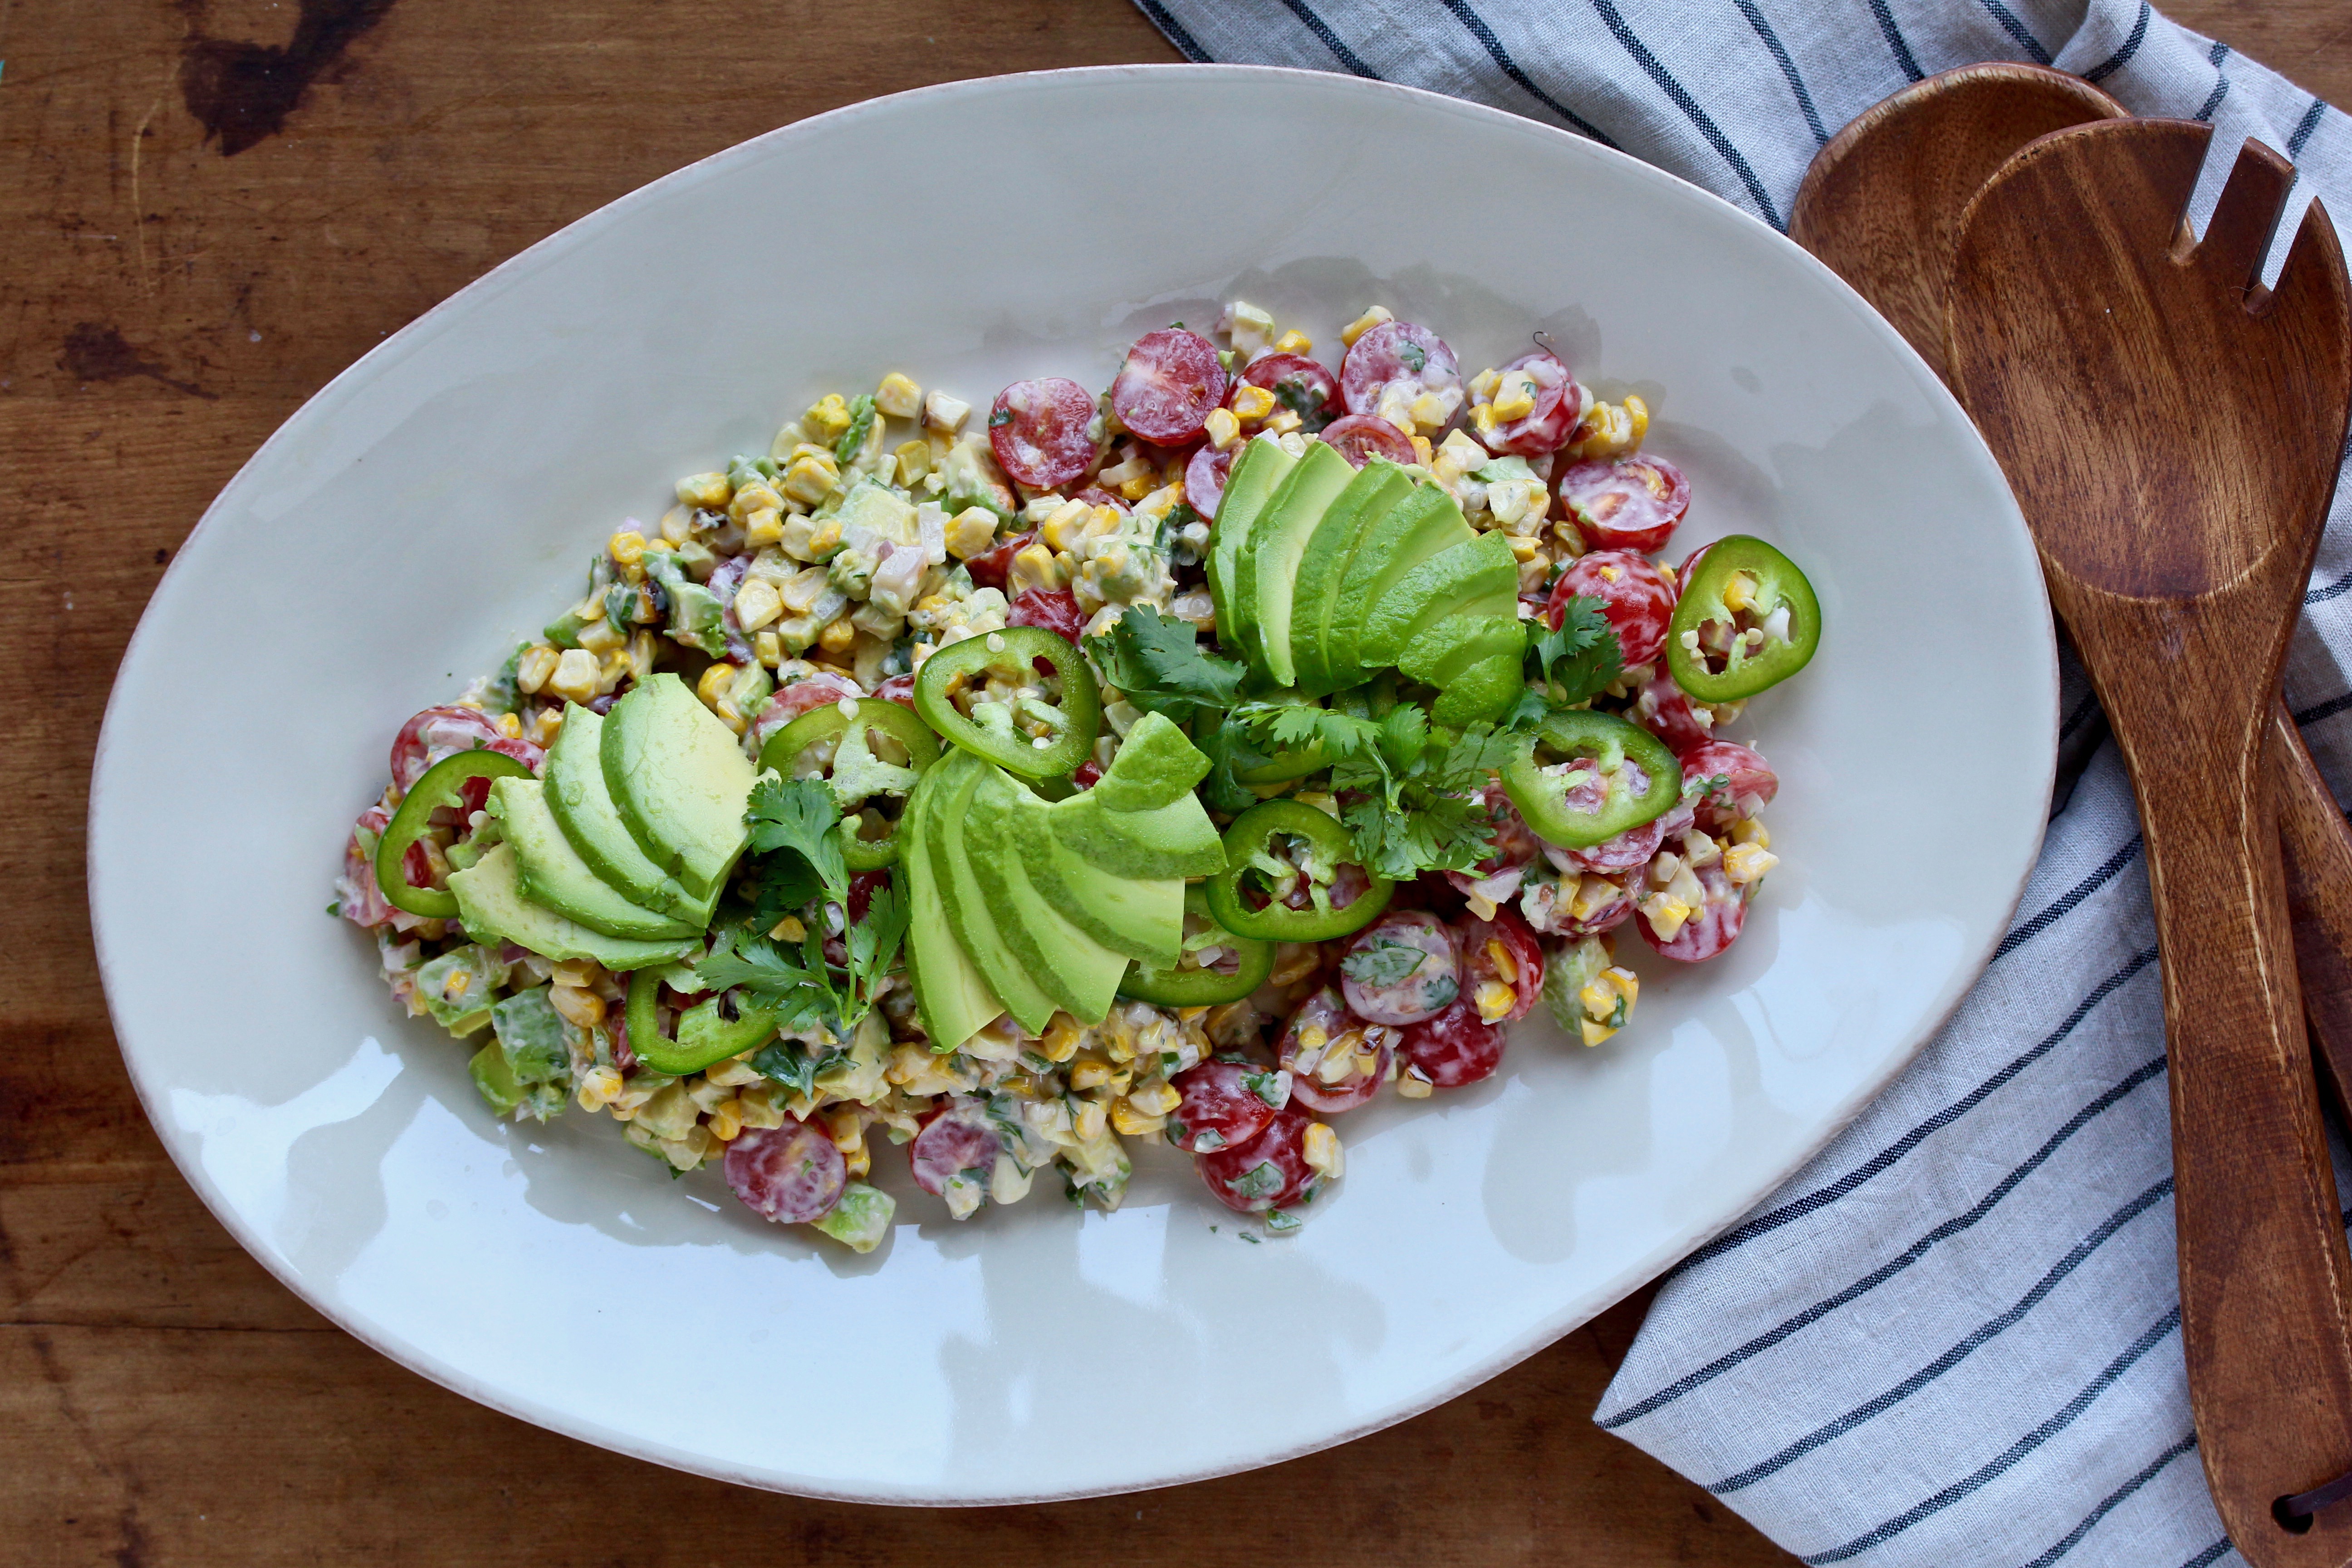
1577 661
795 838
1159 662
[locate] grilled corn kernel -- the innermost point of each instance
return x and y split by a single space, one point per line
574 676
897 397
1224 428
1061 1038
534 666
757 603
1294 342
708 491
1745 863
628 547
1252 403
811 477
1413 1084
1364 323
1322 1151
827 418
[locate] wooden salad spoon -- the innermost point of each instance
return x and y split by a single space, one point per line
1881 204
2171 430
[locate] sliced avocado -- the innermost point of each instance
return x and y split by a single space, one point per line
680 781
1177 840
554 875
490 905
1446 583
1143 917
1442 652
1269 565
1077 971
1155 764
952 1000
1261 468
1422 525
1375 492
1481 693
946 817
584 808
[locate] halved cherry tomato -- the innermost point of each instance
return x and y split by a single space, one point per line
1633 503
790 1173
1402 970
898 689
1560 404
956 1140
1204 478
1361 437
1266 1173
1043 431
1712 927
1356 1056
1455 1047
1170 383
1223 1103
1298 383
439 732
1394 352
1730 781
1666 711
1056 609
1552 907
1635 846
1634 595
1507 930
990 568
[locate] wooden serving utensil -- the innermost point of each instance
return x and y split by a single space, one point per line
2171 430
1882 204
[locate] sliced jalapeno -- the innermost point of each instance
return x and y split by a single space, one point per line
1280 851
710 1032
1745 620
860 779
1193 984
1021 727
1584 777
444 784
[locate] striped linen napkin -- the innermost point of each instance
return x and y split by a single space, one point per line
1954 1338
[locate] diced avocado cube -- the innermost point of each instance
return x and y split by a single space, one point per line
496 1079
564 630
457 988
968 477
535 1037
695 616
859 1218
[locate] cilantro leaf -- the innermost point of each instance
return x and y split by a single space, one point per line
794 1067
1382 965
800 815
801 992
1582 656
1158 661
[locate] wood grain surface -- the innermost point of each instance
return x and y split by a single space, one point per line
207 209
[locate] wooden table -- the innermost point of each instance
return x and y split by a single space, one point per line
162 1399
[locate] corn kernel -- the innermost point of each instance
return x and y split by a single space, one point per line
534 666
1481 385
1750 830
970 531
726 1122
945 414
1058 529
837 637
811 477
708 491
1745 863
1495 1000
1594 1033
1294 342
825 539
1364 323
628 547
1637 417
1131 1123
1089 1074
1421 450
1282 421
1322 1151
1223 429
1252 403
1060 1042
759 493
897 397
1666 915
597 1088
712 686
764 528
1413 1084
1138 487
757 603
1033 567
1515 394
575 1005
914 460
827 418
1740 592
768 648
574 676
1157 1098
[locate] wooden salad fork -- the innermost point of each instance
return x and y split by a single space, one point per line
2171 430
1882 204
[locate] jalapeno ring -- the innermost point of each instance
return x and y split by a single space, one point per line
856 774
1745 621
1204 988
444 784
1586 799
1249 853
1068 728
